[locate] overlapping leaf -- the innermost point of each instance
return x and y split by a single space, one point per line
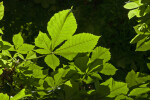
101 53
116 88
58 77
108 69
31 55
143 45
20 95
131 79
137 38
134 79
25 48
81 63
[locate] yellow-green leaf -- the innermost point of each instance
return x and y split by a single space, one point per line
61 26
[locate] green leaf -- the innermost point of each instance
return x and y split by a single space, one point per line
1 71
31 55
79 43
143 45
88 80
137 38
6 53
123 97
20 95
32 66
131 79
42 51
140 29
102 90
18 55
134 12
148 65
43 41
81 63
116 88
72 92
4 96
18 40
131 5
37 73
1 10
101 53
11 47
50 81
61 26
96 65
52 61
58 77
1 33
68 83
108 69
139 91
25 48
96 75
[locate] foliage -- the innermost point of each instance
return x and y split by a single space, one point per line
18 61
139 9
73 66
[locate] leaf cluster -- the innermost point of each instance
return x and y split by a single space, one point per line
81 78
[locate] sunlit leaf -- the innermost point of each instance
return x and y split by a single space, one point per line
6 53
101 53
138 91
31 55
131 5
1 33
108 69
20 95
123 97
43 41
52 61
1 10
43 51
4 96
96 75
132 13
61 26
18 40
137 38
37 73
50 81
116 88
79 43
25 48
58 77
1 71
131 79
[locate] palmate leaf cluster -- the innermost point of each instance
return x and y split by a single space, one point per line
81 78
